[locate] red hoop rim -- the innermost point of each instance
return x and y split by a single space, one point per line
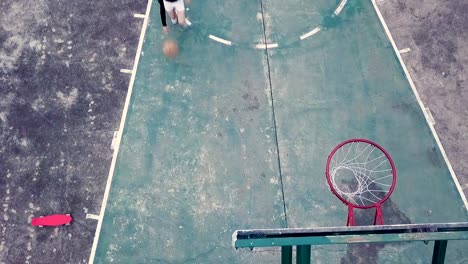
387 155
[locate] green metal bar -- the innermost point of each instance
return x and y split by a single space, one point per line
286 255
440 247
303 254
348 239
349 235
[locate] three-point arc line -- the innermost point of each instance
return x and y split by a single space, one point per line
340 7
220 40
275 45
313 32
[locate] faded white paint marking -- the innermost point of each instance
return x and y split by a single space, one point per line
220 40
114 139
421 104
430 118
139 16
311 33
126 71
92 216
266 46
405 50
340 7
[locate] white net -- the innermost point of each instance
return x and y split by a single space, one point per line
360 173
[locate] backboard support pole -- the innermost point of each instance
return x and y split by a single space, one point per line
440 247
286 254
303 254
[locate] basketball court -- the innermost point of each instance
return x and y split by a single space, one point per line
235 132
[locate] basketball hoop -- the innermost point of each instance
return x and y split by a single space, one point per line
362 175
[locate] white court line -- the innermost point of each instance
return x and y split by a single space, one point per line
265 46
139 15
311 33
220 40
92 216
340 7
119 138
421 104
126 71
405 50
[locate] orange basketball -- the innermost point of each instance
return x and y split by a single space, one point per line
170 48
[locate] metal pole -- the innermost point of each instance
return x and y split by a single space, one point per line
440 247
303 254
286 255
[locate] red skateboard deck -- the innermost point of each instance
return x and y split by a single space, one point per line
52 220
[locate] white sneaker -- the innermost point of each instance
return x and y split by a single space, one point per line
188 22
174 21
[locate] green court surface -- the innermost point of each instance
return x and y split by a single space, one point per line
234 137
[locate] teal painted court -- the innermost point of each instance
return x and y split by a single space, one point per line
227 137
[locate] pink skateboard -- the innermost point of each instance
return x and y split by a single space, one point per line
52 220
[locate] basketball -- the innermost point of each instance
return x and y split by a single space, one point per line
170 48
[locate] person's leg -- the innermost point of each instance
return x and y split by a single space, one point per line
181 17
173 16
170 9
180 10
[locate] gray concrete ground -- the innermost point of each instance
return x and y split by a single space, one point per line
62 96
61 99
437 33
